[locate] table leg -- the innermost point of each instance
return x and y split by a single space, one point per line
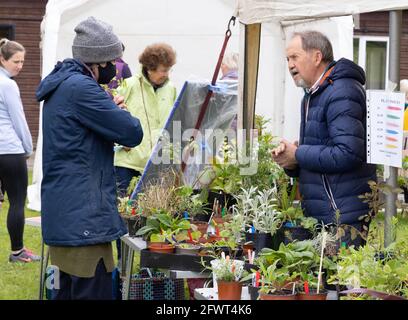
42 272
129 266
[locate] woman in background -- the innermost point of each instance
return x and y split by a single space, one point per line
15 147
149 96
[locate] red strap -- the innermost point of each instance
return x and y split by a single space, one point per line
204 106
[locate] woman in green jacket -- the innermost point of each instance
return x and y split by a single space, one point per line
149 96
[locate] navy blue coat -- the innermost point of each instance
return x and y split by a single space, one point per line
332 166
80 125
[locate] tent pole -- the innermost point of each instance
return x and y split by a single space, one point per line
252 39
395 27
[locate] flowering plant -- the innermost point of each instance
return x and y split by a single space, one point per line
127 207
226 269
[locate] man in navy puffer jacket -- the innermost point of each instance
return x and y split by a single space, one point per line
330 158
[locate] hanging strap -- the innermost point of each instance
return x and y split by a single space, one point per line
204 106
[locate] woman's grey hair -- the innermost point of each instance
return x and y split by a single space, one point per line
231 60
315 40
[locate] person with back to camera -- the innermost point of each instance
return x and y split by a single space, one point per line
15 147
81 123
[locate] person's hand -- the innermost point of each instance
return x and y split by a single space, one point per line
278 150
120 102
284 154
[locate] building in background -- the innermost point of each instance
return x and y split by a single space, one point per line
20 20
371 47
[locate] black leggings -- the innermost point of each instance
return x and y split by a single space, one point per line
14 179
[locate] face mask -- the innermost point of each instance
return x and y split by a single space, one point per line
106 74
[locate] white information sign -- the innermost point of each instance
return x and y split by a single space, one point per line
385 117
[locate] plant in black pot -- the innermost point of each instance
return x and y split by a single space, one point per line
130 213
222 179
266 220
296 226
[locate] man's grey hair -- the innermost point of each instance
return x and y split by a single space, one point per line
315 40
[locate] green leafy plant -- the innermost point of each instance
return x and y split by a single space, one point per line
366 267
191 203
274 279
268 174
164 226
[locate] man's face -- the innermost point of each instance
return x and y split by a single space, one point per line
302 65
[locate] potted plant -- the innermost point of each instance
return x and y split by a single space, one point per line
187 248
227 274
222 178
129 211
366 268
295 226
163 227
266 220
268 172
307 287
275 283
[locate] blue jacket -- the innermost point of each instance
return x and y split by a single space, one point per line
80 125
331 157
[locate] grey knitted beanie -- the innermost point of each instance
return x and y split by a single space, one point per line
95 42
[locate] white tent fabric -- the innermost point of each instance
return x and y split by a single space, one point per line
184 24
258 11
49 43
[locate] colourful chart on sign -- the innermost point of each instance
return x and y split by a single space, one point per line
385 115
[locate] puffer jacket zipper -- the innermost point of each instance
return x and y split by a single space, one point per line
329 192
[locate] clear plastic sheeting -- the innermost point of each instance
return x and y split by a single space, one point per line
180 142
258 11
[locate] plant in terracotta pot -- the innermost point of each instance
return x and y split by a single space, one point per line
307 286
227 273
163 227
